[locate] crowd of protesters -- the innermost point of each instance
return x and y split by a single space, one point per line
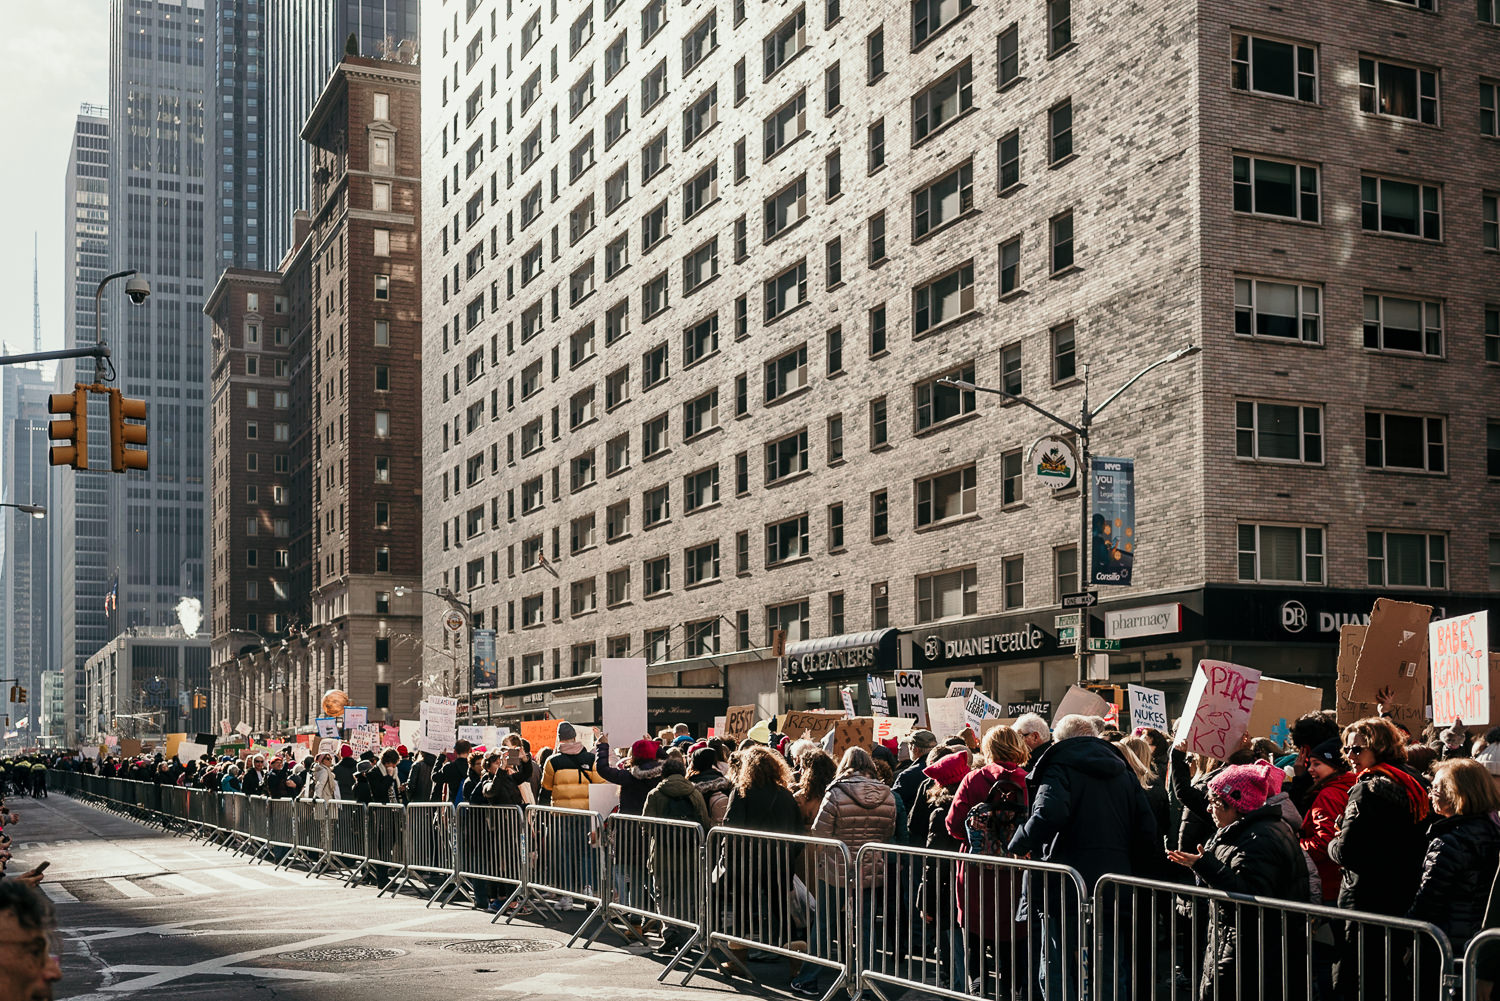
1363 817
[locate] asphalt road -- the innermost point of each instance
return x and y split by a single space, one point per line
147 914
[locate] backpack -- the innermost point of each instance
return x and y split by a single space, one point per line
990 825
679 808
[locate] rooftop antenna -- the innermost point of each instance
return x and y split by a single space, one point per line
36 297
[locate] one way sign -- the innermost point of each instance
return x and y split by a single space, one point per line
1081 599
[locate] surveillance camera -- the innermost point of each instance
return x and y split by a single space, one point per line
138 289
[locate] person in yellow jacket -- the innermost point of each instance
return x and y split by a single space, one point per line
564 853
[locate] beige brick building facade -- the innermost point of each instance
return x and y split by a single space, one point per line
694 269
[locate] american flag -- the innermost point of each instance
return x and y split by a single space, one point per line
112 598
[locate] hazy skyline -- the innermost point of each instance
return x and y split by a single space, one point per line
58 58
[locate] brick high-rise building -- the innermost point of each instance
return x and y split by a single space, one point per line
695 270
317 425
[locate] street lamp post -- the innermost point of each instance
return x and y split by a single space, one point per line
466 609
35 510
1086 417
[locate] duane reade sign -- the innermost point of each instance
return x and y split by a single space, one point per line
1150 620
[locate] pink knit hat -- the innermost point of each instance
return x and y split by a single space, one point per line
1246 787
949 769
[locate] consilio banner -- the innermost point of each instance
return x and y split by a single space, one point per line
1113 486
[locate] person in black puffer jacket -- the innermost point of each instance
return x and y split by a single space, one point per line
1380 844
1462 856
1253 851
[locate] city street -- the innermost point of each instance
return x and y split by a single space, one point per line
147 914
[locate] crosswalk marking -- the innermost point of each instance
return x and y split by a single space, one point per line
127 888
291 877
233 879
57 894
184 884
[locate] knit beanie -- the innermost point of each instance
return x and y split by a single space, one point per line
643 750
565 732
1245 787
1331 753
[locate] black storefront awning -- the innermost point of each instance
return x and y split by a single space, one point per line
848 655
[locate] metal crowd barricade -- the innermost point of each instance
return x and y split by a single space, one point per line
281 833
174 803
236 834
1487 945
430 839
1191 943
385 847
958 925
491 850
562 858
754 902
346 837
657 872
203 815
257 816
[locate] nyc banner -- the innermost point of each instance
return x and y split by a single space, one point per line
1113 485
486 667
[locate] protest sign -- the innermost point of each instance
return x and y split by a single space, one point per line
442 713
889 727
1408 705
1078 701
945 717
390 736
1277 706
1218 708
1394 651
980 706
328 726
910 702
814 722
473 734
960 689
604 798
356 716
329 746
129 747
1460 649
243 729
1041 707
856 732
364 738
622 693
1148 707
539 733
737 722
407 732
846 693
188 750
880 705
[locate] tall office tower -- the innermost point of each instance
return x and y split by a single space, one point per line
305 39
29 638
317 428
162 223
701 267
237 120
80 517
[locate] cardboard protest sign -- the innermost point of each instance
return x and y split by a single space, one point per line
328 726
1277 706
889 727
815 722
880 705
1394 651
1080 702
243 729
856 732
980 706
1218 708
129 747
910 702
1408 707
945 717
604 798
737 722
170 742
188 750
539 733
356 716
960 689
326 746
1460 649
622 696
1148 707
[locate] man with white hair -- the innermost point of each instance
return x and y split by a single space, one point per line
1088 811
1034 730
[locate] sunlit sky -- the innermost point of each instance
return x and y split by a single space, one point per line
56 57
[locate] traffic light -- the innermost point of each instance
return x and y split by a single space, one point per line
73 429
17 694
123 453
200 701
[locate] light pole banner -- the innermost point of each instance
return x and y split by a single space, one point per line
1113 485
486 667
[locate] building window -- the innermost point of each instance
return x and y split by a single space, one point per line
880 516
700 415
1489 105
786 374
1280 554
1398 90
701 190
583 597
617 521
617 587
702 39
835 528
700 490
832 91
781 45
786 457
1011 466
833 172
1405 442
700 116
941 102
1268 66
834 344
742 553
784 126
877 331
786 540
382 287
1276 188
656 576
1059 25
380 196
928 17
1492 333
700 340
1406 325
876 137
581 534
1065 571
1402 207
1399 559
1278 432
948 595
1008 56
835 439
835 613
382 424
654 437
833 263
1490 221
1281 310
880 436
1492 448
1014 585
940 203
700 267
1064 353
786 291
1060 132
700 639
946 497
937 403
785 208
790 618
875 55
1494 562
942 299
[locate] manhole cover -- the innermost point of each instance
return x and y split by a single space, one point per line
502 945
348 954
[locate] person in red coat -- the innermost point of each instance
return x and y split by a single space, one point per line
987 895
